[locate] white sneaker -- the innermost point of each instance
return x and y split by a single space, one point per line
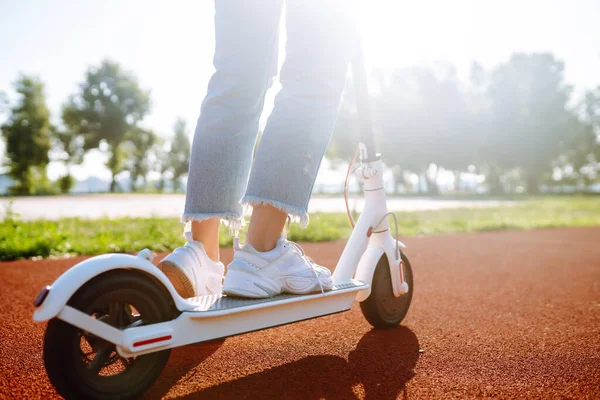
285 269
192 272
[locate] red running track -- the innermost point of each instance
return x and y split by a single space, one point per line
503 314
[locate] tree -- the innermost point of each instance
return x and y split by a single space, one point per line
27 133
423 120
529 118
179 156
107 108
4 109
4 104
160 162
592 116
582 148
345 136
141 141
71 145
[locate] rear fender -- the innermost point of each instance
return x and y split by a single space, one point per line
69 282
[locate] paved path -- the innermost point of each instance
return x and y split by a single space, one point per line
504 314
122 205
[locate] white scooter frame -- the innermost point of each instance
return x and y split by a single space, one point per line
211 317
370 252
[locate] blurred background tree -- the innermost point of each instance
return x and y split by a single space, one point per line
141 142
512 124
345 135
107 108
4 103
27 133
513 127
179 155
591 118
424 122
529 116
160 163
72 153
581 152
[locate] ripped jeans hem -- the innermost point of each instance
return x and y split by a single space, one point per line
296 214
233 221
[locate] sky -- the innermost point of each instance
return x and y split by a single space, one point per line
169 45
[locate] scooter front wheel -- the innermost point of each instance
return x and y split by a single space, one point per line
81 365
382 309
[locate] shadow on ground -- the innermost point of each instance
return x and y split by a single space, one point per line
180 364
379 368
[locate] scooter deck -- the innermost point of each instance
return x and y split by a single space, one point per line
214 317
219 304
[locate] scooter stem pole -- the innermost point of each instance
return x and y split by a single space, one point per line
365 121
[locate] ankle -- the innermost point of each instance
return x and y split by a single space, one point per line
265 228
207 233
262 246
213 254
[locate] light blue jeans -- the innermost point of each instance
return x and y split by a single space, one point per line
321 38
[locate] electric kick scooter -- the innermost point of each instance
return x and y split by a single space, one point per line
114 318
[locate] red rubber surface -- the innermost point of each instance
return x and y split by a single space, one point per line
505 314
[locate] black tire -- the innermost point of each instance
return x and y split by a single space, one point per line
82 366
382 309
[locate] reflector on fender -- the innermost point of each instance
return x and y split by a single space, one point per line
41 297
151 341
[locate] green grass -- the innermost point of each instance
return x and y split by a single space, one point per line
26 239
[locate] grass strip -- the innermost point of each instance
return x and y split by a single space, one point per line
44 238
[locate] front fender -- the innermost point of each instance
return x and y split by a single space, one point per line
379 244
366 269
69 282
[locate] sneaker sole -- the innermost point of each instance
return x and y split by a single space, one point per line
182 284
244 285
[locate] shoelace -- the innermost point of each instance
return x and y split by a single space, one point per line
300 251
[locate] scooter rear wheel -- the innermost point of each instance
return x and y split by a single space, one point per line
81 365
382 309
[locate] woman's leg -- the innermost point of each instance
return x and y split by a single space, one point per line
246 36
321 37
